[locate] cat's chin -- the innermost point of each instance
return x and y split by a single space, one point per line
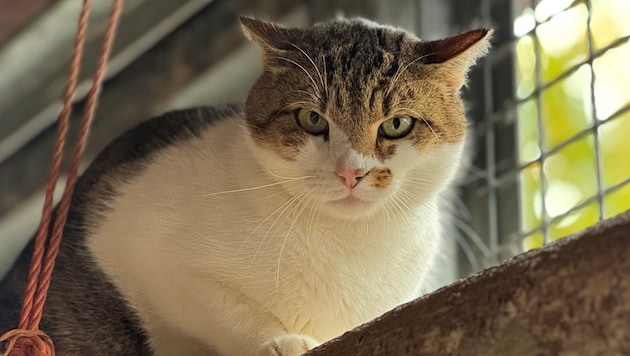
350 208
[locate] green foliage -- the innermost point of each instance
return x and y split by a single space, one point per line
559 49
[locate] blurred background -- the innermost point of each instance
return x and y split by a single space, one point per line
549 107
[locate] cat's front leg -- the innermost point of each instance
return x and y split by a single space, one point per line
288 345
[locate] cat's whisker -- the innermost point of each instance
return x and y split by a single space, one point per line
405 209
417 184
285 207
391 203
325 76
309 229
407 101
430 128
259 225
313 97
388 218
310 60
268 169
299 103
290 180
472 236
468 252
295 105
367 226
304 70
410 196
289 207
416 179
399 72
286 236
409 204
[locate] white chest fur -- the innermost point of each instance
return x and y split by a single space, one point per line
231 270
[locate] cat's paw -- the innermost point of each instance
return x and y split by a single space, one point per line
288 345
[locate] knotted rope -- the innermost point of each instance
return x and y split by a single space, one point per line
27 339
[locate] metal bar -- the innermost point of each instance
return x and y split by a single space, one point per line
541 136
596 123
493 221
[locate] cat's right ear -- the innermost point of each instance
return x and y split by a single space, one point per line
268 35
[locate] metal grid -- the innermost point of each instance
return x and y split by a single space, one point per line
493 193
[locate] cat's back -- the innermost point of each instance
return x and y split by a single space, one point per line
84 310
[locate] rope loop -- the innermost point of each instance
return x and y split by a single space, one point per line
23 342
27 339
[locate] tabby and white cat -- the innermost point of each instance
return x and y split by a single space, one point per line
270 228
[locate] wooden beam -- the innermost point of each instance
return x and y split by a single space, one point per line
571 297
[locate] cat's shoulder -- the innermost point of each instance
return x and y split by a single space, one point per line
127 155
167 129
140 142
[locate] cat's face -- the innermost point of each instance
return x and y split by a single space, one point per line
357 116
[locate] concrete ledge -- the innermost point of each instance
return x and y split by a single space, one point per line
571 297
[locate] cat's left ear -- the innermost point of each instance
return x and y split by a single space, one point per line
268 35
455 55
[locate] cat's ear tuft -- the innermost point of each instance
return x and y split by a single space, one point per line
268 35
455 55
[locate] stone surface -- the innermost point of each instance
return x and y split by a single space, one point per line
571 297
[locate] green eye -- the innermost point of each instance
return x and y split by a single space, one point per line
312 122
396 127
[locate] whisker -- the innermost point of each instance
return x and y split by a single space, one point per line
431 128
389 218
473 236
405 214
313 97
283 177
411 198
284 208
416 179
286 236
400 72
325 75
309 229
418 184
366 224
310 60
468 252
304 70
257 187
260 224
295 105
392 203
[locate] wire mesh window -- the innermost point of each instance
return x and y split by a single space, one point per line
552 118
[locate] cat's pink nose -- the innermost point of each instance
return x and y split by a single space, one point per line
349 176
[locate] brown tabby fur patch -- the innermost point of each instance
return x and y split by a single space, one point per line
380 177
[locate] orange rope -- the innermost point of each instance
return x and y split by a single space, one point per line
28 339
62 128
31 342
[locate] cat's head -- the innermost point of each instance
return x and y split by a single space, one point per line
371 114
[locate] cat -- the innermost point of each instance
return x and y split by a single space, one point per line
268 228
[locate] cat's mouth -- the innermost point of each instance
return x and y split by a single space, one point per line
350 200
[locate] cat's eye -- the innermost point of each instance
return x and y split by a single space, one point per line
312 122
396 127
